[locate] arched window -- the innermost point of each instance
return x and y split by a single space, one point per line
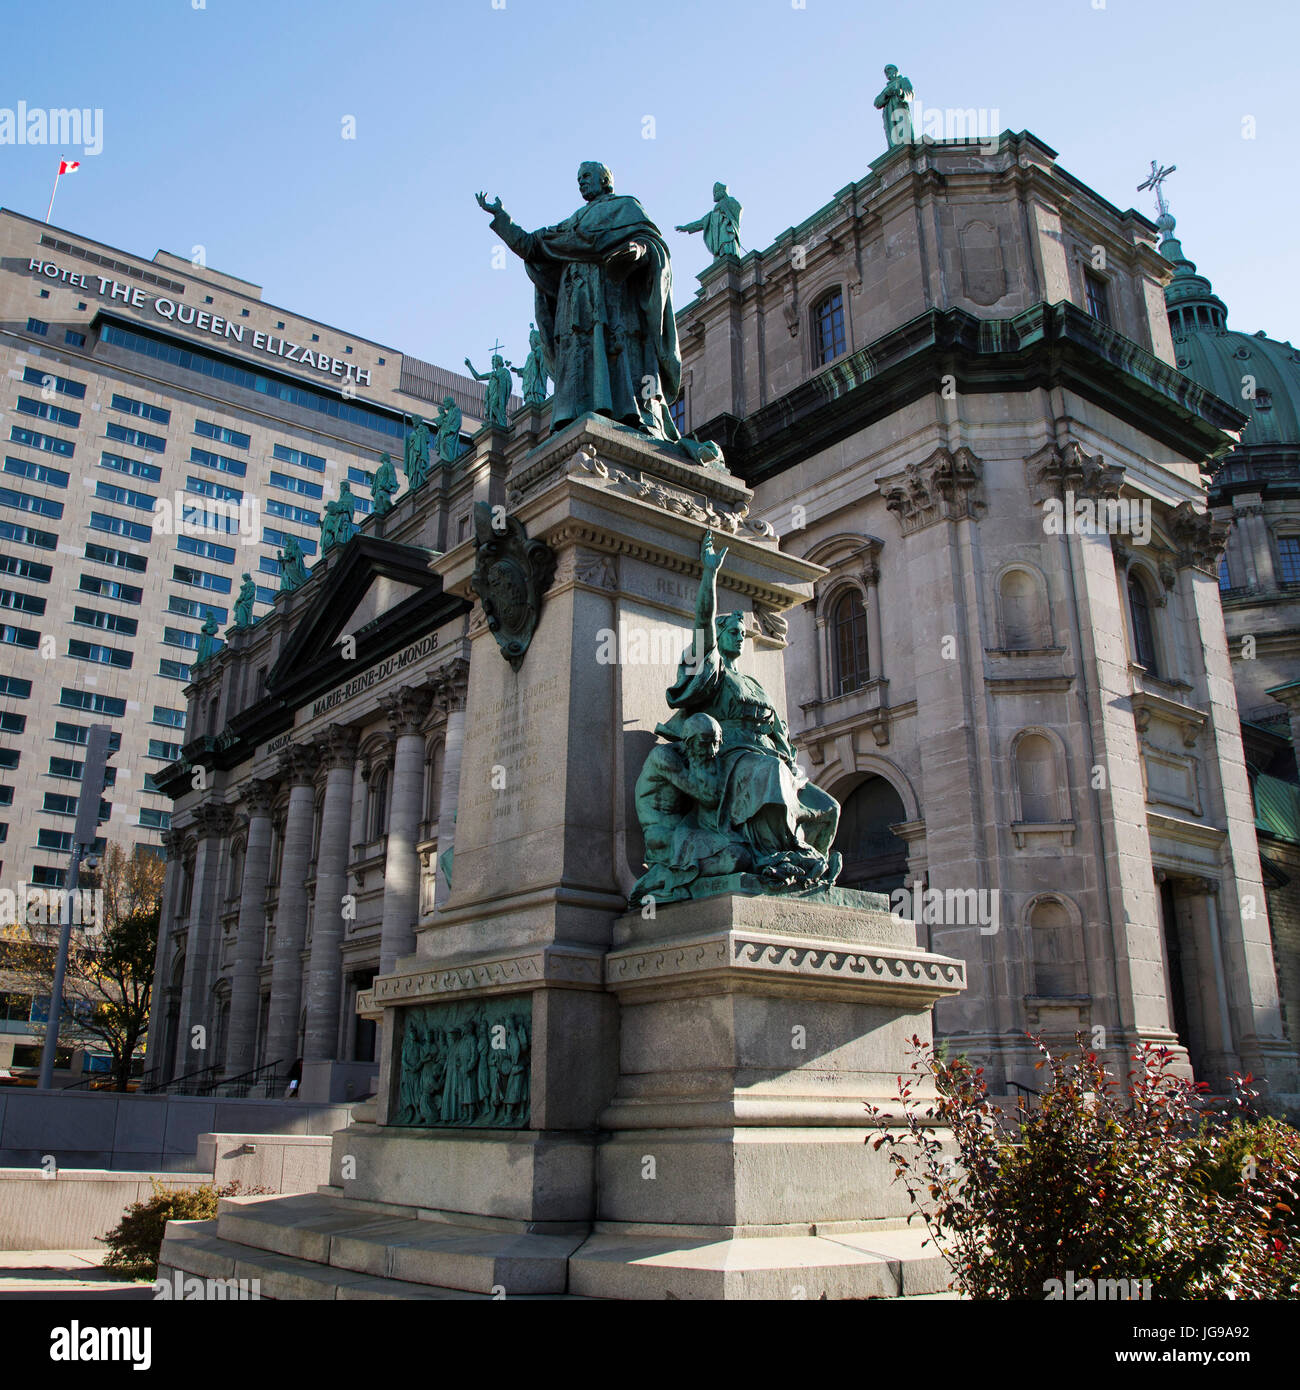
1051 932
1036 779
236 884
187 887
875 859
318 817
433 785
1144 637
377 814
1024 615
828 328
848 642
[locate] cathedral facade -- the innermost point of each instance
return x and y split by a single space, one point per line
954 389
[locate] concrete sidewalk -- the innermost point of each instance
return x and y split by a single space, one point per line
65 1274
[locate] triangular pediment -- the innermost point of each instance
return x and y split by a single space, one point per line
379 593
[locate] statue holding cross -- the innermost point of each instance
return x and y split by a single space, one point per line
496 395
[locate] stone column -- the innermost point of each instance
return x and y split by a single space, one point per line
250 934
452 697
298 767
875 643
173 842
212 824
338 751
406 712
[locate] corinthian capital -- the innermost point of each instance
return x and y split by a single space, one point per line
1054 472
337 747
407 709
297 765
212 820
256 796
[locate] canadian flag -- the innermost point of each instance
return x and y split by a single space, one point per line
66 166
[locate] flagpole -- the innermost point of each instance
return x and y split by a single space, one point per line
53 191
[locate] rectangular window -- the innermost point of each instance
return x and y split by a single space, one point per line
9 757
38 327
110 588
19 434
56 804
678 411
133 468
208 550
173 670
74 339
304 517
192 608
125 496
1225 579
206 487
304 486
28 535
300 457
173 718
1288 554
359 475
268 564
24 502
43 877
19 636
199 518
6 796
179 637
270 536
21 603
105 656
34 376
156 413
135 439
1095 294
37 472
13 685
201 579
25 569
122 559
80 734
160 748
223 434
156 820
119 526
264 595
218 461
47 410
106 622
11 723
93 703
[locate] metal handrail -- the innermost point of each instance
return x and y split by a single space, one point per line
247 1079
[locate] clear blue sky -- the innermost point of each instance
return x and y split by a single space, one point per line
222 128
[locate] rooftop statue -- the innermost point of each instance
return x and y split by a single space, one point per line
895 105
447 426
293 565
416 454
337 526
532 375
384 484
720 225
724 794
603 284
207 639
496 395
244 602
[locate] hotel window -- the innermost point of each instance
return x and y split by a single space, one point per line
119 526
849 642
173 718
160 748
104 656
174 670
285 454
201 579
15 686
218 461
270 536
80 734
21 502
223 434
110 588
95 704
48 442
828 328
70 771
1288 556
267 564
264 595
9 758
156 413
302 515
1144 637
1095 297
106 622
33 376
22 603
11 723
133 468
678 411
74 339
219 492
192 608
155 820
46 410
37 472
45 877
19 636
303 486
28 535
125 496
122 559
6 796
208 550
37 327
136 439
24 569
179 637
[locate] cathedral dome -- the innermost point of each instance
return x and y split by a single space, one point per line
1221 360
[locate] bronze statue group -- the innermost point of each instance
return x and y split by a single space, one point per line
468 1072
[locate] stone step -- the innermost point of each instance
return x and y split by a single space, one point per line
327 1231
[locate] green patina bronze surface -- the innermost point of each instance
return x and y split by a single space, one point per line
532 375
895 105
293 565
207 639
337 526
415 456
447 428
496 394
722 801
244 602
511 573
720 225
465 1065
383 486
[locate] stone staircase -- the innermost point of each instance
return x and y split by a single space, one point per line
322 1246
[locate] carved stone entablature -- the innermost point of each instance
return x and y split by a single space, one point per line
1185 718
297 765
947 486
257 796
337 748
494 975
1053 472
212 820
407 708
1199 537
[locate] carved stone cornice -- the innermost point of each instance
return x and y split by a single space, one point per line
257 796
336 748
574 968
1199 537
947 486
406 709
297 765
451 686
212 820
1052 472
